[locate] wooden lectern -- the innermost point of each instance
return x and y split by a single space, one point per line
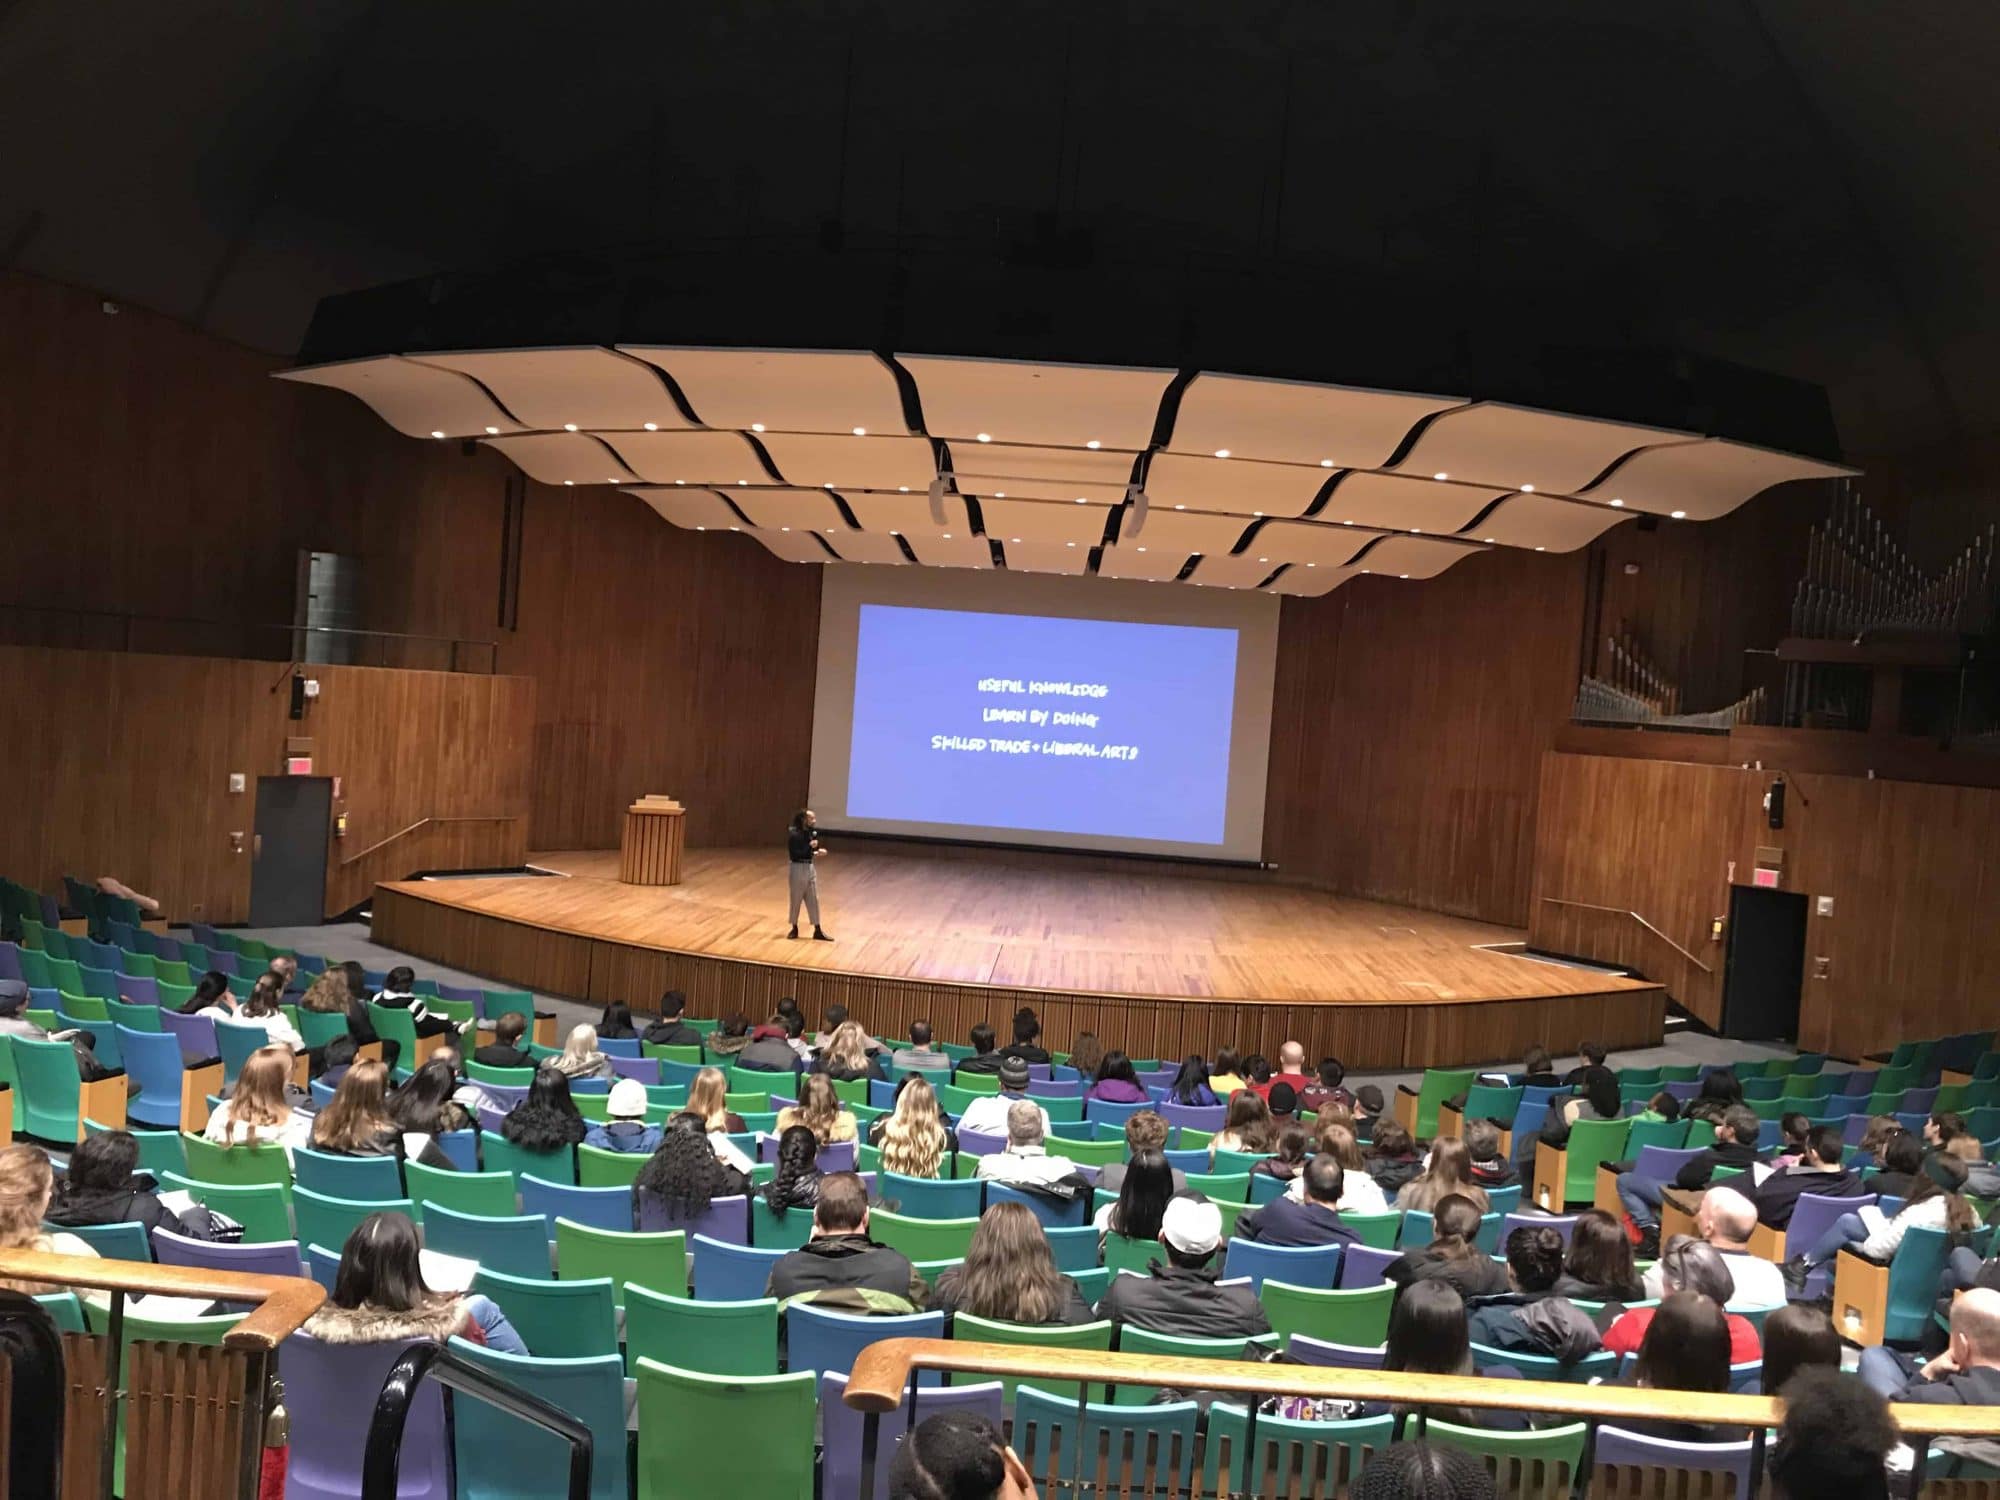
651 851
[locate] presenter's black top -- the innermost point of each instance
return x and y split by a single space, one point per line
799 842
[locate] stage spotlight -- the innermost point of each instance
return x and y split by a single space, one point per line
937 500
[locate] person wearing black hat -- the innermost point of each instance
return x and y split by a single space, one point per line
988 1113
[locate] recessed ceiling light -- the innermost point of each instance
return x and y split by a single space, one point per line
1093 443
999 494
1487 539
828 485
784 528
901 489
742 481
1402 575
1541 549
947 536
1416 531
1312 565
1439 475
1222 453
701 528
1015 539
1527 489
1142 549
1263 559
612 480
490 432
680 481
1180 507
437 434
569 481
1347 523
652 427
736 528
1366 570
895 533
984 437
1072 544
1680 515
1324 463
861 432
569 427
756 426
1081 501
1619 503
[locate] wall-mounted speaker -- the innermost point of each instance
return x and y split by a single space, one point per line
1774 804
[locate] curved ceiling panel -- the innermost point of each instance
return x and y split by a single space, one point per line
793 546
563 458
1054 492
950 549
1309 580
1399 502
1517 447
800 510
1278 542
575 388
1240 486
1154 564
783 390
1242 572
1020 461
1027 521
1412 556
1547 525
723 458
1046 557
849 462
1706 479
695 509
909 514
864 546
1187 530
1069 406
419 400
1294 422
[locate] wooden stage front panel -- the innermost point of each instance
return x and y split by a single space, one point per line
1163 963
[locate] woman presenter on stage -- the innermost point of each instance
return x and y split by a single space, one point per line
802 844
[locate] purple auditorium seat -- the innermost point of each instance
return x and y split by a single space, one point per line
1311 1351
979 1143
339 1385
727 1219
842 1463
10 963
645 1069
1363 1265
1209 1117
1617 1446
196 1034
1562 1224
271 1258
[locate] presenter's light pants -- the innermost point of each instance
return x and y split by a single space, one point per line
805 887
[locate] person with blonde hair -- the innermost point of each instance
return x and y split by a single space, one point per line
581 1058
1449 1172
264 1008
1248 1125
257 1111
708 1101
328 994
846 1055
27 1182
356 1122
820 1110
913 1136
1009 1274
1359 1193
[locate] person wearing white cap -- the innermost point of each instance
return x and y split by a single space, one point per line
626 1129
1185 1296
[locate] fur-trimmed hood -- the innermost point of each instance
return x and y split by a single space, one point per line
368 1324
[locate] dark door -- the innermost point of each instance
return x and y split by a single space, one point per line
288 855
1766 964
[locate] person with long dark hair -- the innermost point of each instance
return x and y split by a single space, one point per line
212 997
1686 1348
1190 1085
1247 1126
1453 1256
1449 1173
379 1296
1118 1081
1798 1336
423 1105
683 1176
548 1119
796 1181
1009 1274
1598 1264
802 850
1143 1196
616 1023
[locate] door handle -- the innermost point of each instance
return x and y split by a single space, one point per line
256 846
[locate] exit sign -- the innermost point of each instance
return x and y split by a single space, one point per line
298 765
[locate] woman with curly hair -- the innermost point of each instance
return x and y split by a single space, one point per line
913 1136
683 1177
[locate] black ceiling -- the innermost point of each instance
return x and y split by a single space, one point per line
1453 196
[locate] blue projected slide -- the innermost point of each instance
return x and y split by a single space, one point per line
1034 722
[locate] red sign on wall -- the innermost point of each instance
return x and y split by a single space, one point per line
298 765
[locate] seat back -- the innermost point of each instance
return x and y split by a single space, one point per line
1122 1254
604 1207
1913 1281
325 1220
1619 1450
923 1198
271 1258
1052 1214
1062 1447
373 1179
1439 1084
1321 1458
1645 1133
195 1033
517 1245
1316 1266
1599 1366
1591 1142
1363 1265
498 1454
502 1155
681 1412
1543 1462
1352 1317
575 1318
726 1219
819 1340
724 1272
923 1239
1312 1351
717 1338
237 1166
658 1261
489 1194
48 1087
126 1241
1813 1215
339 1384
842 1424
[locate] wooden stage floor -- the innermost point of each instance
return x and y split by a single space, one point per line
961 938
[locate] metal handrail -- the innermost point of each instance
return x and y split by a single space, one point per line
424 823
383 1456
1619 911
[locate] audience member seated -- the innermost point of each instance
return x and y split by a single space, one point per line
27 1186
1982 1178
1190 1085
379 1296
1538 1069
104 1186
1257 1076
1662 1108
356 1121
1027 1038
913 1137
1590 1055
1283 1103
984 1058
1009 1275
1184 1295
670 1030
1726 1219
1145 1130
1145 1187
1423 1471
770 1049
1449 1172
1935 1202
1086 1054
616 1023
1292 1068
1247 1126
264 1008
1687 1347
1719 1092
845 1055
328 994
1313 1219
831 1020
1392 1159
1597 1098
1325 1091
1598 1266
1362 1194
427 1102
581 1058
708 1101
795 1184
1902 1157
547 1120
1735 1146
686 1173
819 1109
1941 1128
1223 1075
1288 1156
505 1050
1118 1081
1793 1130
958 1455
258 1110
399 993
1026 1162
1687 1265
1835 1439
1531 1317
1797 1336
920 1053
1966 1374
1452 1257
840 1267
1875 1136
729 1038
624 1128
1368 1107
211 997
988 1113
1488 1168
1818 1171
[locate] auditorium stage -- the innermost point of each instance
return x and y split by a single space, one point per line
1164 959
